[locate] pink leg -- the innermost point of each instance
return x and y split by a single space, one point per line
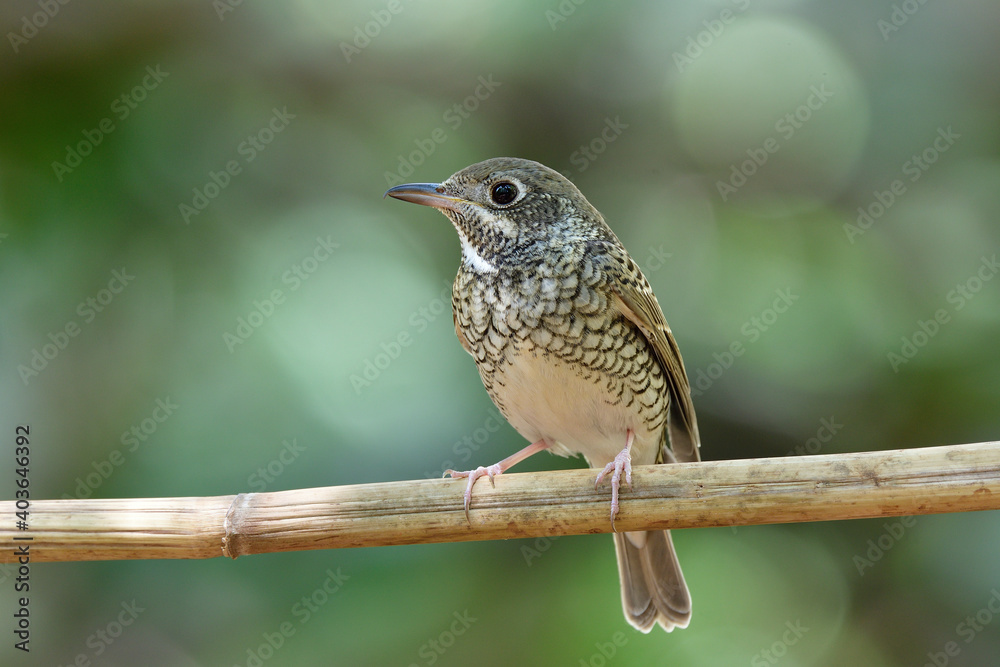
494 470
622 462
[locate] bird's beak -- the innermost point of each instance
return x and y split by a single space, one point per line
427 194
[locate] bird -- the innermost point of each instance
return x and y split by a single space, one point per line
572 347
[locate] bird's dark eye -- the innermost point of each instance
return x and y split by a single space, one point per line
503 193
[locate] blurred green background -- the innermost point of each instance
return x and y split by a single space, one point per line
817 182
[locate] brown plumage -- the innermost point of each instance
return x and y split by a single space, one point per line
571 345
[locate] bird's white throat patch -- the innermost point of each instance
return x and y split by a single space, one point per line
494 222
474 258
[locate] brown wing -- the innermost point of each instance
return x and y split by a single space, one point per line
635 300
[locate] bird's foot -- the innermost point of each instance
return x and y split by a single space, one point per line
494 470
488 471
621 463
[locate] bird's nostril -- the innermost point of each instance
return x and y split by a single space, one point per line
439 189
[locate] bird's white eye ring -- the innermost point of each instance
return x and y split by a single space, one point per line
503 193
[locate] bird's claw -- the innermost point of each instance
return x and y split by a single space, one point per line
487 471
621 463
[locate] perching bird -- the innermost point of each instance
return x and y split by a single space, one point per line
572 347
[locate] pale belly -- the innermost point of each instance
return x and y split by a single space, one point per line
545 398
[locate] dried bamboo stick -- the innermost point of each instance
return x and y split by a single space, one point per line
956 478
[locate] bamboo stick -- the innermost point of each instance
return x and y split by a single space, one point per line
956 478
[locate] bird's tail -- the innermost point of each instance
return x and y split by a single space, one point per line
653 587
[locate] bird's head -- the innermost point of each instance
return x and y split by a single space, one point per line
504 207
